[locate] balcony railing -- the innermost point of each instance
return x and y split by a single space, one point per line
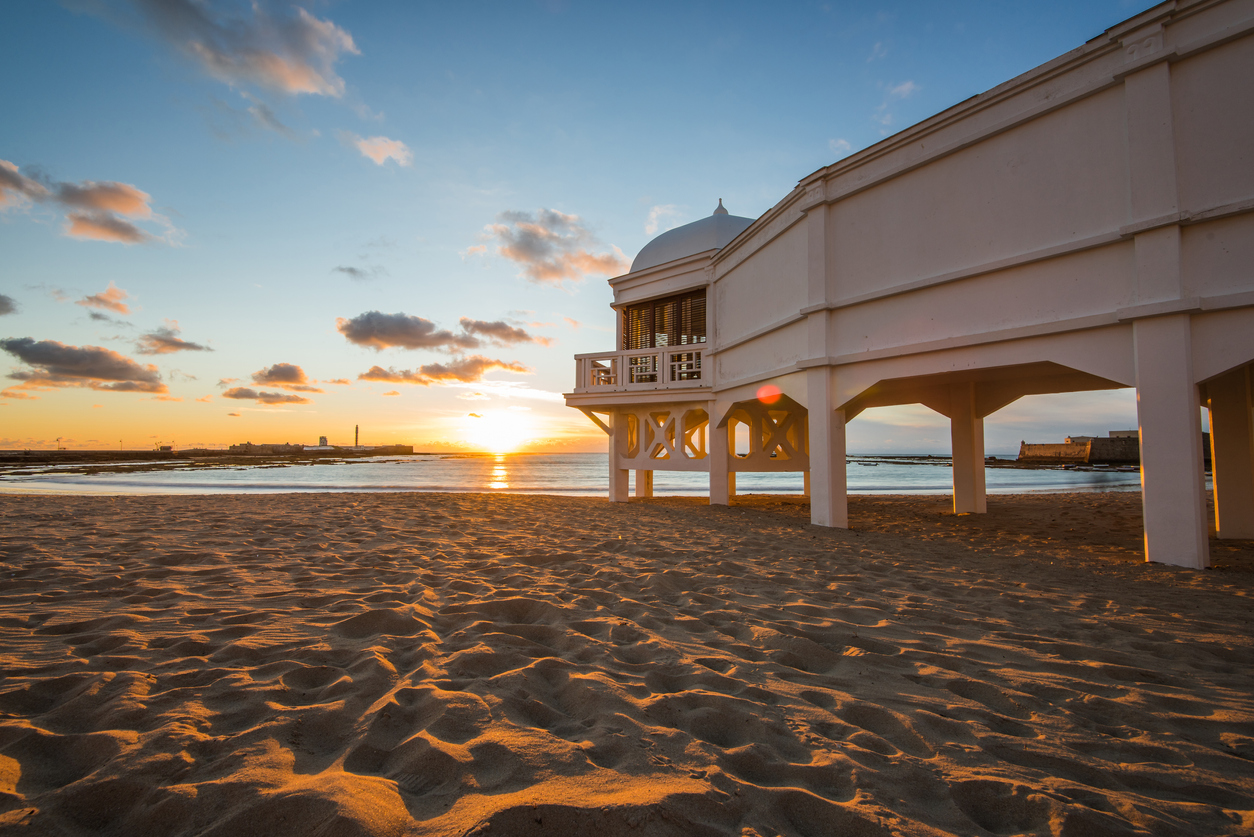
667 367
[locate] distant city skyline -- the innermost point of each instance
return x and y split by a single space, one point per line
226 222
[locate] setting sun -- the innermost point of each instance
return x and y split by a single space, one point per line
498 431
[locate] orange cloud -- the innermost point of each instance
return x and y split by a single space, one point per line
553 246
54 364
103 227
465 370
247 394
289 53
381 149
110 299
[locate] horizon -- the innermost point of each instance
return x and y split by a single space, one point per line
270 221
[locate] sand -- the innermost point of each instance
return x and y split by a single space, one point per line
425 664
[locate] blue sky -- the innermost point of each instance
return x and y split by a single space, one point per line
281 170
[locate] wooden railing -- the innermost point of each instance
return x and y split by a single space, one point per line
668 367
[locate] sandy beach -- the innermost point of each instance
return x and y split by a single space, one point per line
449 664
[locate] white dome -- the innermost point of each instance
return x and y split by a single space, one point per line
712 233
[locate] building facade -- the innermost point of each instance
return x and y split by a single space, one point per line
1088 225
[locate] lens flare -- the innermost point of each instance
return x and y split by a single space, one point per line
769 394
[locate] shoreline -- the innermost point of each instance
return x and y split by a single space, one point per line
428 664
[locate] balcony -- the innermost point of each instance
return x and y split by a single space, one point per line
666 367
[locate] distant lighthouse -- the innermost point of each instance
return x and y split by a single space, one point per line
356 435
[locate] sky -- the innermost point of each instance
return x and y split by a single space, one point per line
275 221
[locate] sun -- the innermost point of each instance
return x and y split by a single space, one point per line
497 431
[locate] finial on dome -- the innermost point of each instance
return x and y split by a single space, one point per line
720 210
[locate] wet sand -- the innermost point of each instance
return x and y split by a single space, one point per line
447 664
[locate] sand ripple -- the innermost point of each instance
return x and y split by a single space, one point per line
424 664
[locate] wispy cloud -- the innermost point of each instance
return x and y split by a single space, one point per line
288 51
53 364
382 149
466 370
392 392
110 299
552 246
361 274
657 216
903 91
94 209
878 51
7 305
839 146
166 340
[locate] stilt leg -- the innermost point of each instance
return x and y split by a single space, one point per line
1172 486
1232 453
966 432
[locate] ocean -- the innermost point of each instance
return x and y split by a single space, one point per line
579 474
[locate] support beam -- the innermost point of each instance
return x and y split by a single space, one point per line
1172 479
644 483
1230 401
829 497
805 485
620 478
720 459
966 433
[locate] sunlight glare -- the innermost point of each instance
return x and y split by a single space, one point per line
497 432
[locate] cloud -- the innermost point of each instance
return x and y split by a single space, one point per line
573 323
247 394
466 370
165 398
839 146
877 52
7 305
391 393
361 274
96 209
656 214
110 299
553 246
381 149
55 364
14 392
291 53
16 188
381 331
343 382
904 90
206 400
474 396
233 415
501 333
166 340
101 226
120 198
285 375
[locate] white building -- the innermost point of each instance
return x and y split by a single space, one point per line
1088 225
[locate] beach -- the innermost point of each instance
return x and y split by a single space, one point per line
445 664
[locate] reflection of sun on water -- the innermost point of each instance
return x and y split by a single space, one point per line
500 476
497 432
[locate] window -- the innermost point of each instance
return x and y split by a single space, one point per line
671 321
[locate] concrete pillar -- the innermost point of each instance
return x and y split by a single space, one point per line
829 499
620 478
966 433
644 483
720 459
1172 480
1232 453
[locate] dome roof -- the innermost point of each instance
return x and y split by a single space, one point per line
712 233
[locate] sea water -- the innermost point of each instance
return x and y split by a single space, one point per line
578 474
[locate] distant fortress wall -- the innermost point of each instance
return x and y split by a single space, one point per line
1122 451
